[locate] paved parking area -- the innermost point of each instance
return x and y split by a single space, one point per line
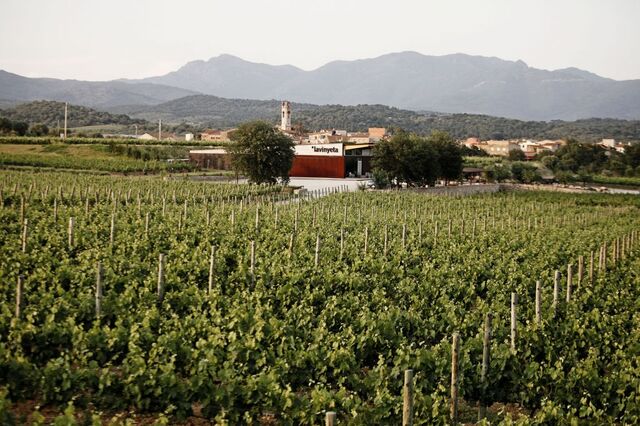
310 184
313 184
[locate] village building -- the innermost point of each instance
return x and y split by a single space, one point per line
327 136
376 134
155 136
359 138
552 145
613 145
499 148
471 142
530 147
148 137
216 135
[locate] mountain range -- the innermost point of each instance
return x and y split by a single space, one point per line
455 83
409 80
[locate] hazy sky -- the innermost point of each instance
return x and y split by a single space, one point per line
108 39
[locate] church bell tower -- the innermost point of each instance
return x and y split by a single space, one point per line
285 116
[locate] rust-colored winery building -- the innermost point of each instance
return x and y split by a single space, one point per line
330 160
320 160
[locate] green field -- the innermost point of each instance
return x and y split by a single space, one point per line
273 309
617 180
71 140
97 157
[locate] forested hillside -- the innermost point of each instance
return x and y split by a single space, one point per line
213 111
51 113
198 112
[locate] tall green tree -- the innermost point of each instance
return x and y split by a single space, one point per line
426 166
407 158
449 155
39 130
20 127
516 155
575 156
261 152
632 155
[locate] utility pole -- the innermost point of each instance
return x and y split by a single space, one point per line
136 126
65 120
159 130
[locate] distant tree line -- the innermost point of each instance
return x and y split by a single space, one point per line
513 171
462 126
22 128
585 159
42 118
51 113
10 127
195 113
414 160
576 161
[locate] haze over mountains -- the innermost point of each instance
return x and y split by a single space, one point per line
98 94
455 83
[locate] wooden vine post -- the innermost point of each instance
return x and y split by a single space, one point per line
330 418
252 267
25 226
112 231
538 302
556 291
316 259
70 232
580 270
19 290
99 275
455 353
569 281
211 268
22 208
161 277
407 397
